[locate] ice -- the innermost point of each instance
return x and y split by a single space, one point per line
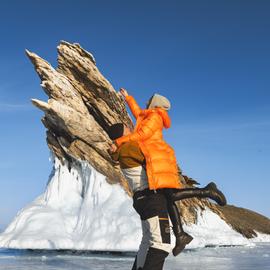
229 258
223 258
79 210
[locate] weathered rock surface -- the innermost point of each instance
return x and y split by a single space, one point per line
82 105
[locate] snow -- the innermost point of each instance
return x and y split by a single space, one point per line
211 230
261 238
80 210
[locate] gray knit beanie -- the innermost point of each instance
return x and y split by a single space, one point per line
159 101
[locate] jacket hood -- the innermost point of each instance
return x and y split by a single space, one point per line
164 115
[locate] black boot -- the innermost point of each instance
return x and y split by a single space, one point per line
181 241
215 194
210 191
182 238
155 259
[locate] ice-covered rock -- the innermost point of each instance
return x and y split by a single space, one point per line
82 104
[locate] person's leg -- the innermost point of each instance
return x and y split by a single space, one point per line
155 259
159 241
156 230
181 238
139 204
174 217
148 257
144 246
210 191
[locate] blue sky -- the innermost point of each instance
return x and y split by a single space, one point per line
210 58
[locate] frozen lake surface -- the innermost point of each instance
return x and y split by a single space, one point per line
216 258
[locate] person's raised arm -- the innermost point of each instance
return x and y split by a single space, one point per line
134 107
147 129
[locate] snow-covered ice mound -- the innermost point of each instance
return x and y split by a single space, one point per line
81 210
78 210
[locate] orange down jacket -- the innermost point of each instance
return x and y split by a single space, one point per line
161 164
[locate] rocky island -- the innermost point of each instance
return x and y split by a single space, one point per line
81 105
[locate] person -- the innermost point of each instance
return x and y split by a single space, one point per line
153 207
150 128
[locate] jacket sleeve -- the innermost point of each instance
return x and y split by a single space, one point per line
133 105
147 129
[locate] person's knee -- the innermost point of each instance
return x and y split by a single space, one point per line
162 246
159 232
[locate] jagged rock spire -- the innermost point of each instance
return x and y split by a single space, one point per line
82 105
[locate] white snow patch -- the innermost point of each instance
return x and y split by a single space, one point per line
261 238
211 230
